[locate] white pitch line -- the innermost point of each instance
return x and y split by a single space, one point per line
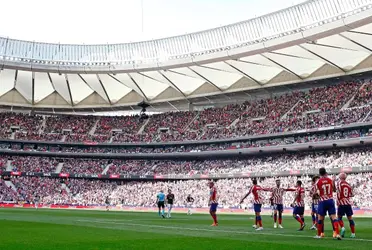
211 230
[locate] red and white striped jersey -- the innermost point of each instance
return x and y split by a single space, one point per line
324 187
277 194
213 195
256 192
299 197
313 192
344 193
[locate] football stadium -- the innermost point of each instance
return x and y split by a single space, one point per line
252 134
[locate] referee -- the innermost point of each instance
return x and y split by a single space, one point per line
160 200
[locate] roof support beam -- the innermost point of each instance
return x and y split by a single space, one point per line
360 33
322 58
282 67
331 46
135 83
245 74
104 89
51 82
15 79
355 42
69 90
173 106
205 79
33 89
288 55
174 85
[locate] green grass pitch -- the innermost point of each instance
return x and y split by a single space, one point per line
71 229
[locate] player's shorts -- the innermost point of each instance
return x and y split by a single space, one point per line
344 209
314 208
213 207
278 207
299 210
257 208
326 206
161 204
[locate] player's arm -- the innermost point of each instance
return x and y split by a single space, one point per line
313 194
351 192
157 199
267 189
210 199
249 192
290 189
296 196
334 183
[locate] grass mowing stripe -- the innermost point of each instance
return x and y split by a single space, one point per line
209 230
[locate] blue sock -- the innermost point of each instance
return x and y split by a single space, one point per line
162 212
159 212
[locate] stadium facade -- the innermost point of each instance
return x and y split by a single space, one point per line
307 42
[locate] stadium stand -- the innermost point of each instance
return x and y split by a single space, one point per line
94 192
337 158
339 104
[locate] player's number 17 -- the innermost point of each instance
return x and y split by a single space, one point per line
327 188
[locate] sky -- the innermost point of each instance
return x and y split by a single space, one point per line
118 21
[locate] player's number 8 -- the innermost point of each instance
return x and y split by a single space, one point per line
346 192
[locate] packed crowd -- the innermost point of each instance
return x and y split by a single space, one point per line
23 122
30 189
271 164
124 124
6 193
327 98
230 191
3 163
33 164
76 124
309 121
289 140
339 104
338 158
364 95
84 166
33 136
87 138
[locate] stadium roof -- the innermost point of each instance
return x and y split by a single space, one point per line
314 40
